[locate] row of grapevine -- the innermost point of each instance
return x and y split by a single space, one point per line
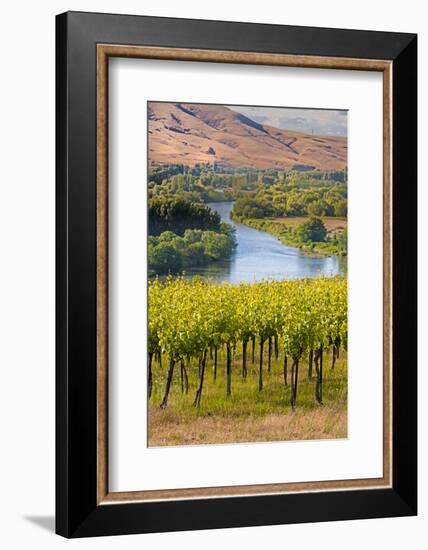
190 318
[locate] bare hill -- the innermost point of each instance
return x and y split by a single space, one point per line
189 133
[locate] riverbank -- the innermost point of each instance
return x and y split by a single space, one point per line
284 230
260 255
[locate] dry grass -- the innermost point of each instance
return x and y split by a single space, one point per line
323 423
249 415
184 134
331 224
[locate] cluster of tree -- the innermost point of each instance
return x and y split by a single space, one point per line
313 230
281 200
187 187
177 213
296 177
312 234
212 183
164 171
209 186
301 318
340 239
171 253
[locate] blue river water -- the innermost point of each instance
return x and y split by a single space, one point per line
260 255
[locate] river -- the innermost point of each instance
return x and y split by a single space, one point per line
260 255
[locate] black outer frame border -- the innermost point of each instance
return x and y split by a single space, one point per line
77 513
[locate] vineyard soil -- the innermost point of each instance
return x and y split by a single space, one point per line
247 414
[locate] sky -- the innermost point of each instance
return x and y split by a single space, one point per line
321 121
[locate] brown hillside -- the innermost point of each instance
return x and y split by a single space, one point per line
188 133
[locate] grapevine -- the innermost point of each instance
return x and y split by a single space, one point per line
190 320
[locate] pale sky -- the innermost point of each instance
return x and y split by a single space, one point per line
321 121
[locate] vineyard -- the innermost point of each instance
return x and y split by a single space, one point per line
241 332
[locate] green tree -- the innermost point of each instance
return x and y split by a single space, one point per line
341 208
319 208
312 230
175 213
342 239
164 258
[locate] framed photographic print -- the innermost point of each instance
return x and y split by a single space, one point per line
236 274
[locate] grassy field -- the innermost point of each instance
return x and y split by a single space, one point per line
248 415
